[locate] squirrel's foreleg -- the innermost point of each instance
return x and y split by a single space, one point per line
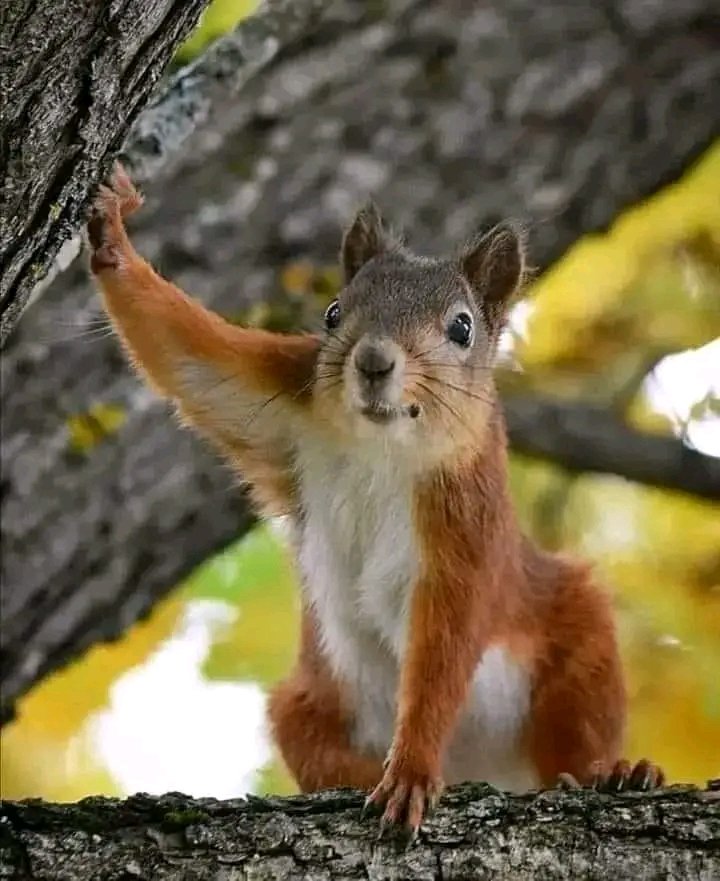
222 377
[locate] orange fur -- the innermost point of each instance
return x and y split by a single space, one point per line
311 724
460 599
483 585
166 333
480 582
579 701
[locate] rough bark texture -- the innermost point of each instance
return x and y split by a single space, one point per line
476 833
452 114
74 76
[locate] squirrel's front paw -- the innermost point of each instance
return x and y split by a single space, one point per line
621 777
405 794
114 201
624 777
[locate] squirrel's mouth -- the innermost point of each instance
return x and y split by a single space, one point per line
381 413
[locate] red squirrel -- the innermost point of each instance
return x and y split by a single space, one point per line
438 644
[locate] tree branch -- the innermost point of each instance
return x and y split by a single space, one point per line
585 438
477 832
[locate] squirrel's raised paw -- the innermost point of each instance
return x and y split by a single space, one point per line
115 200
622 777
120 191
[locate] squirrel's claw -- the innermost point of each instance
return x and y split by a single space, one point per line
412 836
405 800
646 775
369 808
622 777
121 191
114 201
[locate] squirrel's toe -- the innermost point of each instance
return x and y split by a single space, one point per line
124 191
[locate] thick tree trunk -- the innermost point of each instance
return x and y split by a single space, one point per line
74 76
452 114
476 833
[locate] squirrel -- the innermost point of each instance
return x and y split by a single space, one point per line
438 643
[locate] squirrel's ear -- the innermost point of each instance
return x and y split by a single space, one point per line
364 239
494 264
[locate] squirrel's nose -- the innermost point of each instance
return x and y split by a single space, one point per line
374 360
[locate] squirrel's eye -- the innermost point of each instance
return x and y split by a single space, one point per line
332 315
460 330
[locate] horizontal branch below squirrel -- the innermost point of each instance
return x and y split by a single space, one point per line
477 832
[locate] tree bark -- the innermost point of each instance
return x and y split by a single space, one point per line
590 438
477 832
451 114
74 76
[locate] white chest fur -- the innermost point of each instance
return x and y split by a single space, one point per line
358 553
359 559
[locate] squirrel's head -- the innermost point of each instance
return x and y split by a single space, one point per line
410 341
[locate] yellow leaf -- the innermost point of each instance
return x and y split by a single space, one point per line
608 292
89 429
297 278
220 17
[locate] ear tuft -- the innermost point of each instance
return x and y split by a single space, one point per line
494 263
364 239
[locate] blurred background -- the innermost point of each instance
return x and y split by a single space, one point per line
626 319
